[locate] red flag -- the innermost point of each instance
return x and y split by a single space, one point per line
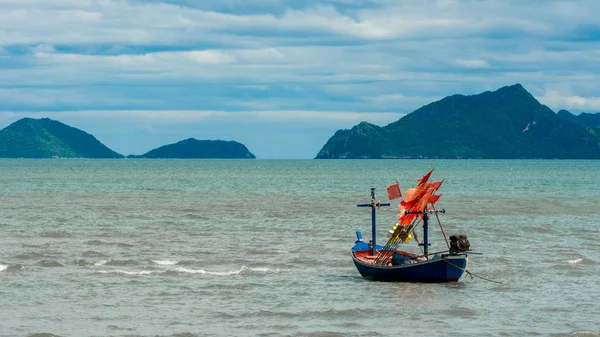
423 202
435 185
434 198
424 179
394 191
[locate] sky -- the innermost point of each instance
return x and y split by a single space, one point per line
281 76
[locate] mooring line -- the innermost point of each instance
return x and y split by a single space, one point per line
471 274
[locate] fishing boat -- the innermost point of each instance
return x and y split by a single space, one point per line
388 262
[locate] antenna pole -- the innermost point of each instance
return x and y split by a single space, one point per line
373 225
373 206
425 232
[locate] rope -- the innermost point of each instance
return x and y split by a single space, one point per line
471 274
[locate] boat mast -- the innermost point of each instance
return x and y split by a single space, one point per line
425 213
373 205
425 243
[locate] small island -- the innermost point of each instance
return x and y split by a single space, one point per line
194 148
47 138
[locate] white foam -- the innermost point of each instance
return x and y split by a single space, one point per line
165 262
125 272
576 261
244 269
3 267
202 271
100 263
263 270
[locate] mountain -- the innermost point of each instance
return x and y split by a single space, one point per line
193 148
506 123
590 120
47 138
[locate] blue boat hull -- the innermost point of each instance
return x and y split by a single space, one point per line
446 268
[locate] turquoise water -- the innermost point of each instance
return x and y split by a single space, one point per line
261 248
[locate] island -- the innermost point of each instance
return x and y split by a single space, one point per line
508 123
194 148
47 138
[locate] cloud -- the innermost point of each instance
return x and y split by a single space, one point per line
157 117
573 103
473 64
290 63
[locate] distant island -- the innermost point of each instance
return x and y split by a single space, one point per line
193 148
508 123
47 138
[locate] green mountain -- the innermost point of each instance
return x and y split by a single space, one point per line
47 138
590 120
506 123
193 148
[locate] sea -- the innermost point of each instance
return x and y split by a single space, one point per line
136 247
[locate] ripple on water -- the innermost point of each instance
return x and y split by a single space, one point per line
84 262
30 256
55 234
14 268
119 263
460 312
91 253
104 243
50 263
580 333
165 262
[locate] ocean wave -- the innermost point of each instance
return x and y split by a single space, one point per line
91 253
50 263
180 270
112 262
583 333
104 243
30 256
242 271
12 268
165 262
132 273
254 251
109 262
583 261
84 262
329 313
3 267
55 234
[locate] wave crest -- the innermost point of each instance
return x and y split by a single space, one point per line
165 262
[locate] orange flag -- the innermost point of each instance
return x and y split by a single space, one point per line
411 195
394 191
434 198
423 202
424 179
435 185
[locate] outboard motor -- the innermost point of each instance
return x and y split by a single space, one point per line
459 243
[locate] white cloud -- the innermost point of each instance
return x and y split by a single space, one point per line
111 21
321 116
472 64
288 61
574 103
155 117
